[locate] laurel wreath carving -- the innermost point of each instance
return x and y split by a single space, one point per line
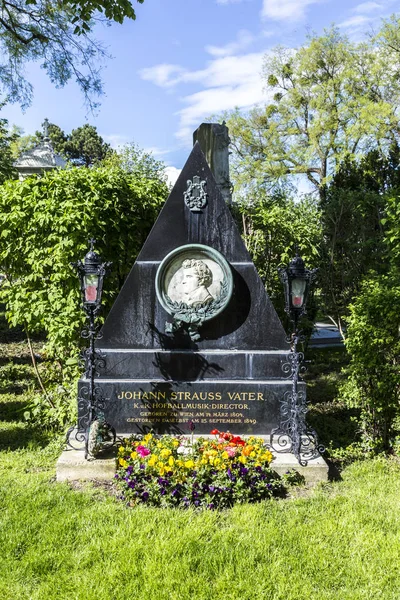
193 317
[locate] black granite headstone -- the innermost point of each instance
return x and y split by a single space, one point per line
232 378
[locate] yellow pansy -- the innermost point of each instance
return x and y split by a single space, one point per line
162 470
123 462
152 460
171 461
121 450
189 464
134 455
217 461
267 456
165 453
175 443
243 460
225 455
147 437
253 454
160 465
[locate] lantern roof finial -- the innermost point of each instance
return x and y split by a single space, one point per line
92 258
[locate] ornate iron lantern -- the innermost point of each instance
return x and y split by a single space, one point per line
92 430
296 281
91 274
293 434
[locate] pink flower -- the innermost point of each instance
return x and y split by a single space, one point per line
142 451
230 451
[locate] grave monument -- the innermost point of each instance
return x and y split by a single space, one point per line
192 340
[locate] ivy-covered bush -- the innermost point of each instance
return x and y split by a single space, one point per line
373 343
45 224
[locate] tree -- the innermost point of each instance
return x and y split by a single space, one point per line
272 227
330 102
136 161
58 35
353 215
84 146
7 139
22 142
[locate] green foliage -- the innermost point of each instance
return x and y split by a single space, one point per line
7 138
136 161
332 100
45 224
391 222
58 35
352 215
272 228
83 146
373 343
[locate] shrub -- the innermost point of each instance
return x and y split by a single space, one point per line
373 343
45 224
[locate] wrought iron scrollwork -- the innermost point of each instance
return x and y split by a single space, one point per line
293 434
92 431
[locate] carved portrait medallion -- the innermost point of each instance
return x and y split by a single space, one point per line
193 284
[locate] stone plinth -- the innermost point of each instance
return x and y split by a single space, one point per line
72 466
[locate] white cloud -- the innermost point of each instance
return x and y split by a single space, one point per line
367 7
364 17
163 75
227 70
172 174
116 140
226 82
355 22
156 151
292 10
229 1
244 39
232 83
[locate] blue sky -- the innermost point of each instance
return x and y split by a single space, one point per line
184 60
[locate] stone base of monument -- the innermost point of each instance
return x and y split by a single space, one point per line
315 471
72 466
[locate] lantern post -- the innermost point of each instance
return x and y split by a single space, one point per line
293 434
93 429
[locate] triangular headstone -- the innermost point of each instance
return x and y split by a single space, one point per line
249 322
166 367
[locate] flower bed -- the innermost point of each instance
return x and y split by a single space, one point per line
205 473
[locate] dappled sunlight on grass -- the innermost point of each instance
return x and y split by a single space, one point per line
339 541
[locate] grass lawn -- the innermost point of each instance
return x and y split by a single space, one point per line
340 541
